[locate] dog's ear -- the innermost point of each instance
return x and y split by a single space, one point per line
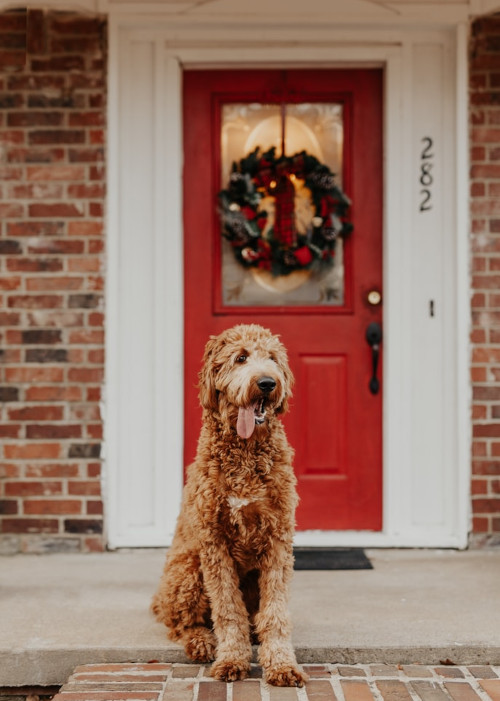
289 381
206 376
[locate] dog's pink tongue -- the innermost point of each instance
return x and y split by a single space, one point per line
246 421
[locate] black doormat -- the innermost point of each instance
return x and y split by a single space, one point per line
331 559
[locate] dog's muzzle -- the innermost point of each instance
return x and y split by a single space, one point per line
255 414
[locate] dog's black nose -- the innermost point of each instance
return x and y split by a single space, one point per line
266 384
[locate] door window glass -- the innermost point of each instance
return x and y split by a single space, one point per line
317 129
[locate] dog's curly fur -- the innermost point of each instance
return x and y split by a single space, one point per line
227 573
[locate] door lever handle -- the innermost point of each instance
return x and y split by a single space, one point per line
374 337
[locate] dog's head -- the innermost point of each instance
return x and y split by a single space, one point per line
245 376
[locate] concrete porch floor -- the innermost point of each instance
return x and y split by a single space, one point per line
416 606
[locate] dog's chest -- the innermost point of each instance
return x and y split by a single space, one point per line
246 511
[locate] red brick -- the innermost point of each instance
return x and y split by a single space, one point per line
481 524
88 191
486 506
61 209
36 413
12 137
34 119
491 430
35 228
31 265
95 246
492 688
80 45
95 508
96 357
91 336
393 690
53 431
479 486
10 173
30 451
84 488
85 155
486 393
461 692
58 319
249 691
36 191
85 375
484 170
87 264
36 35
9 319
79 25
55 172
10 283
87 119
85 228
23 489
29 525
97 172
485 135
95 319
356 690
24 374
216 691
97 136
320 690
11 210
52 506
8 507
106 696
63 282
53 393
129 666
13 22
57 136
51 470
486 467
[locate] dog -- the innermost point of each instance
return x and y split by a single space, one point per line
226 577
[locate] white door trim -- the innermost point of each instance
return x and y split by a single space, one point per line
133 42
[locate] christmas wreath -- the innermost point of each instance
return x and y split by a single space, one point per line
280 247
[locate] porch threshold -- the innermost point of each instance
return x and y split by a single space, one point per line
415 607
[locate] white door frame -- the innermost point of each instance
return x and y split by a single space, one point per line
426 417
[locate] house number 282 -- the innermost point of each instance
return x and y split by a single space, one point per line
426 179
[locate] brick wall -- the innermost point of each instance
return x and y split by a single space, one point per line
485 242
52 196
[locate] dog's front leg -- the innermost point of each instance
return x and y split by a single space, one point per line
273 626
229 614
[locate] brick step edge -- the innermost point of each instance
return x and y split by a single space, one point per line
327 682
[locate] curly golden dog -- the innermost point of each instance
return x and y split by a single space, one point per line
227 573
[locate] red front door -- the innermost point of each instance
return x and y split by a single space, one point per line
335 422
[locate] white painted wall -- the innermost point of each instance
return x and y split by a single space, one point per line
426 442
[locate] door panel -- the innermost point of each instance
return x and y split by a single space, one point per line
335 422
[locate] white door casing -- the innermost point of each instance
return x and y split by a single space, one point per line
426 312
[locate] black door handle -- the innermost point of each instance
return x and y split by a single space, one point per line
374 337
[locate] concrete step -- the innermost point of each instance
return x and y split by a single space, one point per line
416 606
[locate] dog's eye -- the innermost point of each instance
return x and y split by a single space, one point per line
241 358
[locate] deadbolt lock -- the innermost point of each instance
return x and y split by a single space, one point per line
374 298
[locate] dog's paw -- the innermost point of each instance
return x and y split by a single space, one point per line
230 671
286 676
201 646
